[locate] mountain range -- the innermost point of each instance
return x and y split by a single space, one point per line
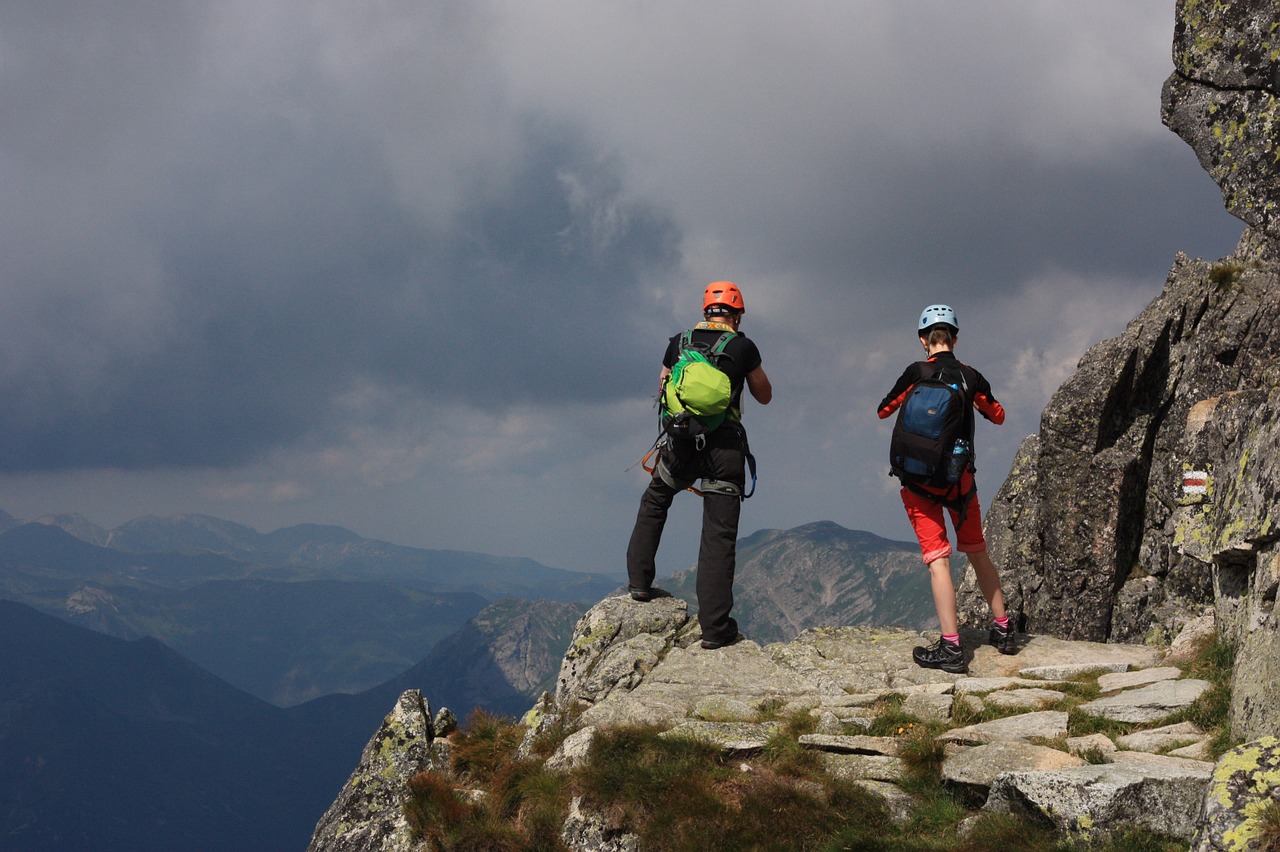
287 616
243 671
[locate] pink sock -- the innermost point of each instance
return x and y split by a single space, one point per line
953 638
1003 622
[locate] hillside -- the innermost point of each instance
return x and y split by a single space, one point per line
115 745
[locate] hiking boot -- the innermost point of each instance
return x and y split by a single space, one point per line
1003 639
642 595
941 655
713 644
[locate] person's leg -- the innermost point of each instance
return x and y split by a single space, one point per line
984 570
931 531
944 595
724 461
646 535
969 540
717 561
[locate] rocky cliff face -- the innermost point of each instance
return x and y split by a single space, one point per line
1148 495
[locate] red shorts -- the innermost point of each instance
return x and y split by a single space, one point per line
927 521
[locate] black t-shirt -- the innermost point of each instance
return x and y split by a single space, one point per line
740 356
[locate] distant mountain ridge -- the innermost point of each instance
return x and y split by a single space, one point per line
314 551
290 615
822 574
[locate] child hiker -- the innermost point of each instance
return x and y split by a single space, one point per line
932 454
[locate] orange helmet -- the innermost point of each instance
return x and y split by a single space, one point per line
724 293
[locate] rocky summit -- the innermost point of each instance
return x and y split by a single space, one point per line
1004 725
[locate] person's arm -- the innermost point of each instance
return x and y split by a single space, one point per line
986 403
989 407
760 386
898 395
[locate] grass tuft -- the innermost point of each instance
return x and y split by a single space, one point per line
677 794
1213 662
1269 827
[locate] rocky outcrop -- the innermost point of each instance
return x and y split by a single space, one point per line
1246 782
1222 100
368 814
1094 528
639 663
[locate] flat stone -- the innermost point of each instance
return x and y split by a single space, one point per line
863 767
978 767
923 689
850 744
981 685
1067 671
861 699
1079 800
733 738
1040 652
1202 750
1128 680
900 805
1093 742
1162 739
1045 724
1142 758
971 703
928 706
1031 699
1149 703
724 708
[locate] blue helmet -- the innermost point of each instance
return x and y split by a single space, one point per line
935 314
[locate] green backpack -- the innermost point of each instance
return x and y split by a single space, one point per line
696 393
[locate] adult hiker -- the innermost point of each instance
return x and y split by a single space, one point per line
932 454
699 443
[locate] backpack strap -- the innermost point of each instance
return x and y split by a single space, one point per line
970 422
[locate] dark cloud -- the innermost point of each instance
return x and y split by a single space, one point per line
294 273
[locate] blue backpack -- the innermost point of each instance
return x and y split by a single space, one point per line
932 441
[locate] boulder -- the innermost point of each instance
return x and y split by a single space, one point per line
587 831
977 768
1221 99
1246 781
614 644
367 816
1091 801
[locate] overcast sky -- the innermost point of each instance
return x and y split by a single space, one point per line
410 267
